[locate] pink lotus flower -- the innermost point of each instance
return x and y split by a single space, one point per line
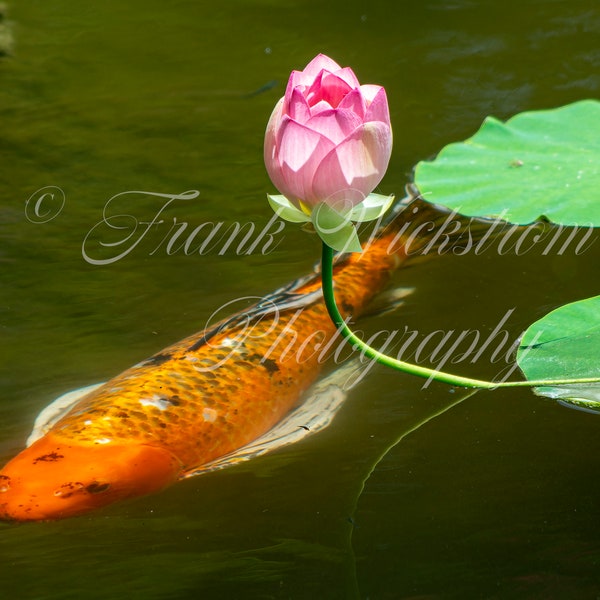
329 138
327 145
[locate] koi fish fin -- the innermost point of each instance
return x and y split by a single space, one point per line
387 302
286 298
56 410
316 413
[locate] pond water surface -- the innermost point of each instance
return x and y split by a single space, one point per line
496 498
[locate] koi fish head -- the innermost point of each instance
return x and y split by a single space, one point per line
56 478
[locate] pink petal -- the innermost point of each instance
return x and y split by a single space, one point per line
320 107
299 151
355 167
369 91
377 104
313 94
270 148
332 89
355 102
320 63
347 74
312 72
334 124
298 108
297 79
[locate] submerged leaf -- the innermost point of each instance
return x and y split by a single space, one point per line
537 164
565 344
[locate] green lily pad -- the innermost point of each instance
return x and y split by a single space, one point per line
565 344
537 164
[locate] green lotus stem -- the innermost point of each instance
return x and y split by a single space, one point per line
399 365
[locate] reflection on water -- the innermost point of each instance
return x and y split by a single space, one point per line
494 498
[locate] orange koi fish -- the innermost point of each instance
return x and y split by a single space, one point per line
195 403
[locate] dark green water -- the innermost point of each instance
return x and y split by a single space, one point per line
496 498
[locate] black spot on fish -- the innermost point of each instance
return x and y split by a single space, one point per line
159 359
175 400
304 427
66 490
97 488
270 365
52 457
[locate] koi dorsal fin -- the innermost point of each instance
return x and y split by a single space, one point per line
289 297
